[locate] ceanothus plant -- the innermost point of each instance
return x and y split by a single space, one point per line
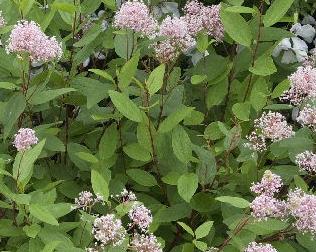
152 126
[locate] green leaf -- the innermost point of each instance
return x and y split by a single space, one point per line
187 185
89 36
108 142
7 229
142 177
8 85
87 157
300 183
137 152
203 230
32 231
197 79
237 28
263 66
128 71
13 109
240 9
181 145
280 88
276 11
200 245
155 79
42 213
174 119
241 111
186 228
99 184
126 107
123 44
216 93
234 201
202 42
48 95
51 246
103 74
24 162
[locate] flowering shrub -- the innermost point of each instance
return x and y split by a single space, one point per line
155 126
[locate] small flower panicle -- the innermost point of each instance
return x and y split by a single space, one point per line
265 206
145 243
306 161
303 85
2 21
127 196
307 117
302 207
108 230
27 38
24 139
204 18
140 216
136 16
260 247
212 249
86 200
176 39
269 184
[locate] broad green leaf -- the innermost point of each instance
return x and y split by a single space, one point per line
26 6
8 85
276 11
234 201
300 183
108 142
128 71
175 118
13 109
240 9
198 79
32 230
43 214
280 88
89 36
202 42
203 230
181 144
7 229
48 95
137 152
155 79
24 162
263 66
186 227
237 28
124 44
51 246
195 118
216 93
241 111
87 157
172 213
125 106
103 74
187 185
200 245
99 184
142 177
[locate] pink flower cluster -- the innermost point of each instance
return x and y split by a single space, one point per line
302 207
204 18
307 117
140 216
86 200
176 39
303 85
136 16
265 205
25 139
260 247
27 38
125 196
2 21
270 126
145 243
108 230
306 161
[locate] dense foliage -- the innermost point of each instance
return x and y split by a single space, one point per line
157 126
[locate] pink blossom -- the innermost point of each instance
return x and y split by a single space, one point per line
306 161
145 243
307 117
257 142
86 200
25 139
140 216
302 207
175 39
135 15
303 85
2 21
260 247
204 18
265 206
108 230
27 38
269 184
